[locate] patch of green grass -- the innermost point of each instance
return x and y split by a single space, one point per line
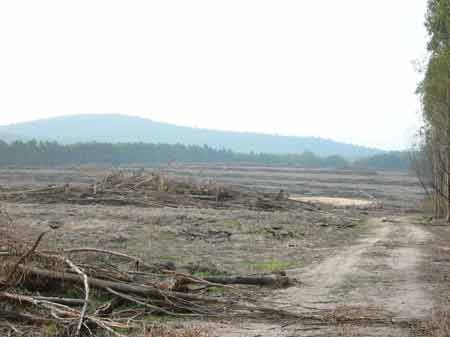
203 274
169 258
51 329
122 331
269 266
72 293
423 220
166 235
360 225
233 223
119 244
216 290
100 295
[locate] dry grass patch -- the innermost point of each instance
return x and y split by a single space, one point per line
350 314
165 331
437 326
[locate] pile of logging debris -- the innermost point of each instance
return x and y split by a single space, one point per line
78 292
152 190
65 294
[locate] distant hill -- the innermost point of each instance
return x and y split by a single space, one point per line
9 137
114 128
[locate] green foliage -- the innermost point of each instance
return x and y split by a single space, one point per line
211 273
166 235
50 329
33 153
395 160
434 91
437 22
216 290
269 266
434 88
51 154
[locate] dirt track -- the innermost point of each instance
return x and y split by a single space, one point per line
378 267
382 273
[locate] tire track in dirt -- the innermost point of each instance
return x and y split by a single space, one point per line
394 273
381 271
323 279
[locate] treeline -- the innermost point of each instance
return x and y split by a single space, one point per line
50 154
390 161
434 93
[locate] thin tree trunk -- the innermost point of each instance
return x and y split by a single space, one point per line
435 177
447 151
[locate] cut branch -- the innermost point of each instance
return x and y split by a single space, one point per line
86 293
25 256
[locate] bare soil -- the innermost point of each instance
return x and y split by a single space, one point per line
337 202
378 271
381 273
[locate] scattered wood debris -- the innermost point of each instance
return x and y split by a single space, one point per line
152 190
78 294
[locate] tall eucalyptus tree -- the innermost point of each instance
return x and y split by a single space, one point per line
434 91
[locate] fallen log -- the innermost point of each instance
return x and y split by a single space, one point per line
8 315
188 301
117 286
279 281
263 280
59 300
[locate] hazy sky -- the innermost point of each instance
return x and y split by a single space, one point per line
339 69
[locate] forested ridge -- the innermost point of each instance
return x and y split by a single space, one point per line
46 154
114 128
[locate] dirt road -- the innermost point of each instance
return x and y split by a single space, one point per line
381 274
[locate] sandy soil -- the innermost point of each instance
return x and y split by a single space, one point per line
382 272
337 202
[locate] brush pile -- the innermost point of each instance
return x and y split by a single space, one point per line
79 292
90 291
152 190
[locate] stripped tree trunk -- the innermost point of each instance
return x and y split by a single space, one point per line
447 152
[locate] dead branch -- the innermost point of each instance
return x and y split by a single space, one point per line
263 280
139 262
155 308
25 256
62 312
61 300
21 317
86 293
118 286
155 190
171 297
192 279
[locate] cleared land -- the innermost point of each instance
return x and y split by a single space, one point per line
368 268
